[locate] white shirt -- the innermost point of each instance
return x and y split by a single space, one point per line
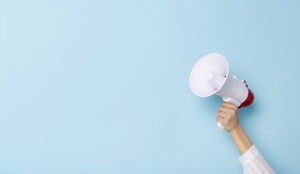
254 163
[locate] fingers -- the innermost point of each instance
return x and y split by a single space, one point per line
223 114
229 108
222 120
228 116
225 109
223 117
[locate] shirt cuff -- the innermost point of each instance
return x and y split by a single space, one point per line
249 156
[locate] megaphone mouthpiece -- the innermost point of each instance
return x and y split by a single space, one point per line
215 80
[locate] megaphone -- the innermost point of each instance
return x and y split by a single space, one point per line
210 75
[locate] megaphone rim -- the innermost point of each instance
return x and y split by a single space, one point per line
207 56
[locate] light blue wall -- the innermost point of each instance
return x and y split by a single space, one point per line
101 87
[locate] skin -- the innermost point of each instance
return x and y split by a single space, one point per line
228 116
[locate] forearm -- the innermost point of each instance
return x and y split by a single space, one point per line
241 139
251 160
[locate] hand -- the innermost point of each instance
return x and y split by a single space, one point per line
228 116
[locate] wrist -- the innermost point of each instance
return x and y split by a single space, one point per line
237 129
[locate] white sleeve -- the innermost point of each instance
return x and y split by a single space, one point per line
254 163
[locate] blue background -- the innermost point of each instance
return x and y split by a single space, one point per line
102 86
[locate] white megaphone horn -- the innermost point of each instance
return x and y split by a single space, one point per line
210 75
